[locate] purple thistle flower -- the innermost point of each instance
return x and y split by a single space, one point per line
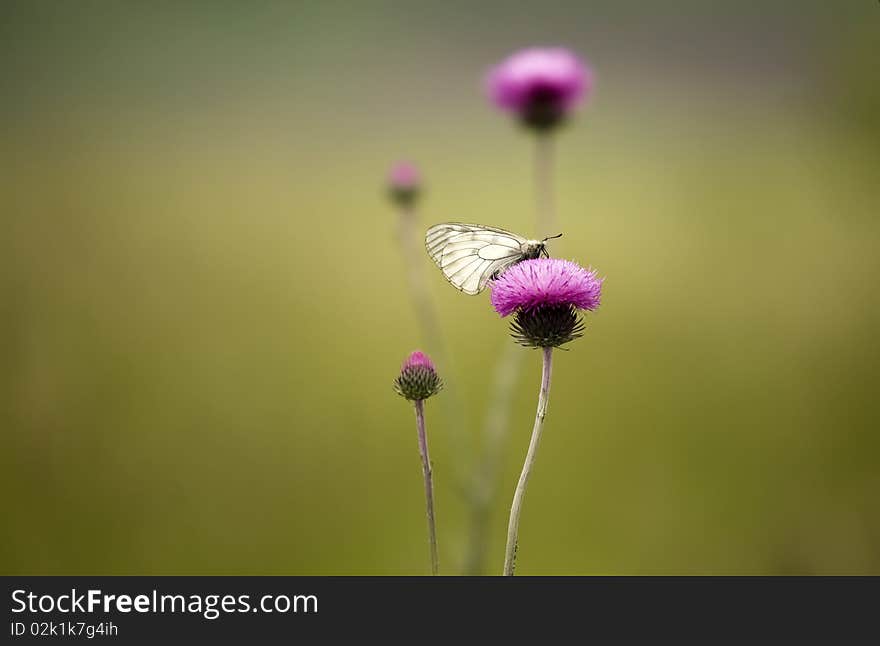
540 85
404 182
545 294
545 282
418 378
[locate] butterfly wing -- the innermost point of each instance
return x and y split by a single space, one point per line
469 254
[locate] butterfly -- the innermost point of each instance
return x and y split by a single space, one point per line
470 255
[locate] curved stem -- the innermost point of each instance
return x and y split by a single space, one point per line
495 434
429 484
412 246
516 506
414 255
507 371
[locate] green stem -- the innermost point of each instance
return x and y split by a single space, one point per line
545 207
414 256
494 442
516 506
429 484
411 240
507 371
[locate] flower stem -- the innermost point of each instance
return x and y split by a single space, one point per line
494 443
507 371
516 506
413 249
429 484
544 203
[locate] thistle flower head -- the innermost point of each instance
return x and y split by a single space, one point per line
545 282
545 294
541 86
404 182
418 379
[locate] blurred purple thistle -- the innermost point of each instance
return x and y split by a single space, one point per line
405 186
404 183
540 86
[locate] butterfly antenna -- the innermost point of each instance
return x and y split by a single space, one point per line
558 235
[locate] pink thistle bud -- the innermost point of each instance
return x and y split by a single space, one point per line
418 378
404 183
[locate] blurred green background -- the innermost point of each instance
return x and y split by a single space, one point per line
204 305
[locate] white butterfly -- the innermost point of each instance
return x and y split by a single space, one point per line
469 255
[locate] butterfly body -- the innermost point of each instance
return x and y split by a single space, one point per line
470 255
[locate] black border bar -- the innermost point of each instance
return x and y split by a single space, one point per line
548 609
